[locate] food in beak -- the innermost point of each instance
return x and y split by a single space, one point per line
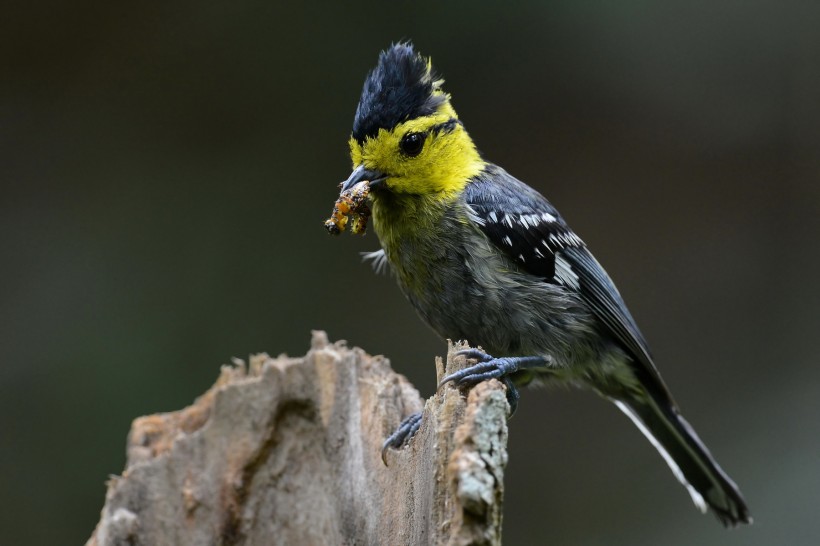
351 205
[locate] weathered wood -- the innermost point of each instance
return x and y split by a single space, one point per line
287 451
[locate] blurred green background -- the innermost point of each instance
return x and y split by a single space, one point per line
166 169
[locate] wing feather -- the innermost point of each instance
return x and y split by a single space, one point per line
531 232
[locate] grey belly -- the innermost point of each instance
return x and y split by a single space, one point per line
479 296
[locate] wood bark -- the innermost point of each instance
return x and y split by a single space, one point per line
288 451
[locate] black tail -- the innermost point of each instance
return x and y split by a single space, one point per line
688 458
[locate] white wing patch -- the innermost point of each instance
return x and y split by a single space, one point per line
564 272
533 220
565 239
474 216
526 220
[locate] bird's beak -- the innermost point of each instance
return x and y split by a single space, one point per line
360 173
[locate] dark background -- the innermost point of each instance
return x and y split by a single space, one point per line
166 169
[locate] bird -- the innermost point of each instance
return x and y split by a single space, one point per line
484 257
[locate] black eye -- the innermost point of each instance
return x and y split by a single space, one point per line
411 144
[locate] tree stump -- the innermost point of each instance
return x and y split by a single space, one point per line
288 451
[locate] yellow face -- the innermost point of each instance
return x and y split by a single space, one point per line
427 155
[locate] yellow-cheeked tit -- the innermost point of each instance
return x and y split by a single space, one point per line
485 258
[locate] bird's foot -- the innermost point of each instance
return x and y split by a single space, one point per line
489 367
406 430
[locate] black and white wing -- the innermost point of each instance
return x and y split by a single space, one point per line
526 227
532 233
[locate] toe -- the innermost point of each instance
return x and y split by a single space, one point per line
475 354
406 430
465 375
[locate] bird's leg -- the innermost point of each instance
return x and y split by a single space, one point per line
406 430
489 367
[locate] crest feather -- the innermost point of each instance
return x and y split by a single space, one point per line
401 87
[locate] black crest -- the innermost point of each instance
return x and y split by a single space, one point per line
401 87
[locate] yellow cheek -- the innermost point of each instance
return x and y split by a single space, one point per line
382 153
444 165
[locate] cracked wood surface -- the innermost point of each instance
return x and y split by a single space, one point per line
287 451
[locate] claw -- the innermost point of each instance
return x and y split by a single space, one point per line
475 354
406 430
